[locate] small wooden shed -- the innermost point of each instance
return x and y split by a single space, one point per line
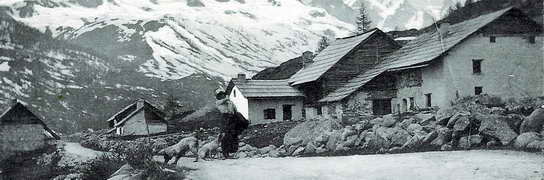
138 118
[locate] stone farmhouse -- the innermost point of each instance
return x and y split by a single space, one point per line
138 118
498 54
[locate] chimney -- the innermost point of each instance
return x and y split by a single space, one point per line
444 28
307 58
242 78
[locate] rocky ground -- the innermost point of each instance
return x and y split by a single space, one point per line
476 164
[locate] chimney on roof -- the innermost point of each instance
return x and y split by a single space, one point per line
444 28
307 58
242 78
140 103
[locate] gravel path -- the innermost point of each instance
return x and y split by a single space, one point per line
477 164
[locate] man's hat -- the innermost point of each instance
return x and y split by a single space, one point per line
219 90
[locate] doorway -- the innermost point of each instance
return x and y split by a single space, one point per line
287 112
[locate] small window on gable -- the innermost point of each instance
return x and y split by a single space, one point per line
478 90
477 66
269 114
532 39
492 39
234 92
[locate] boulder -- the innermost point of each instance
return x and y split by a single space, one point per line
374 141
298 151
405 123
463 115
267 149
534 122
274 153
493 143
415 129
536 145
320 150
444 136
310 148
350 141
127 172
348 131
498 111
322 138
413 142
394 150
377 121
334 139
524 139
389 120
425 118
514 121
427 139
242 155
444 115
308 131
470 141
496 126
446 147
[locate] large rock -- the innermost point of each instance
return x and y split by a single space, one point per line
446 147
414 142
496 126
389 120
534 122
443 137
334 139
274 153
425 118
127 172
373 141
396 136
405 123
415 129
491 101
350 141
348 131
298 151
463 115
461 124
524 139
309 130
470 141
444 115
310 148
267 149
536 145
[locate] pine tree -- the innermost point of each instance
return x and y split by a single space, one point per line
363 20
48 32
323 43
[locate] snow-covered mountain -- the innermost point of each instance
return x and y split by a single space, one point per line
182 37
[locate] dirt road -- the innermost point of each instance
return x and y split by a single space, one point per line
476 164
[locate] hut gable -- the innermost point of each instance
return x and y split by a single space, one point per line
18 114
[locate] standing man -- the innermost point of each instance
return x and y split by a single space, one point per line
233 123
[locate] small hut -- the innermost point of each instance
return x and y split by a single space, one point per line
138 118
23 131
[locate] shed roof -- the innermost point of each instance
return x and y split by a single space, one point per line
327 58
126 113
423 49
265 88
18 110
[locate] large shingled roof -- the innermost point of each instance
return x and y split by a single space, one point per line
327 58
266 88
423 49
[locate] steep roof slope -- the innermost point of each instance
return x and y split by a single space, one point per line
126 113
327 58
425 48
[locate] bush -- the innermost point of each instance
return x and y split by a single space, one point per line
102 167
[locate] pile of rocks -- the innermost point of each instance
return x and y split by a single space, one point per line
476 124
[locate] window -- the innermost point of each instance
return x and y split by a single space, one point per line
412 103
478 90
404 105
492 39
319 110
532 39
270 114
428 98
477 66
234 92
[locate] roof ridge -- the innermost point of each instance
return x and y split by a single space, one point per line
352 36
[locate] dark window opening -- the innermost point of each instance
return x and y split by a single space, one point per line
477 66
234 92
319 110
404 105
270 114
532 39
381 106
429 100
492 39
478 90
